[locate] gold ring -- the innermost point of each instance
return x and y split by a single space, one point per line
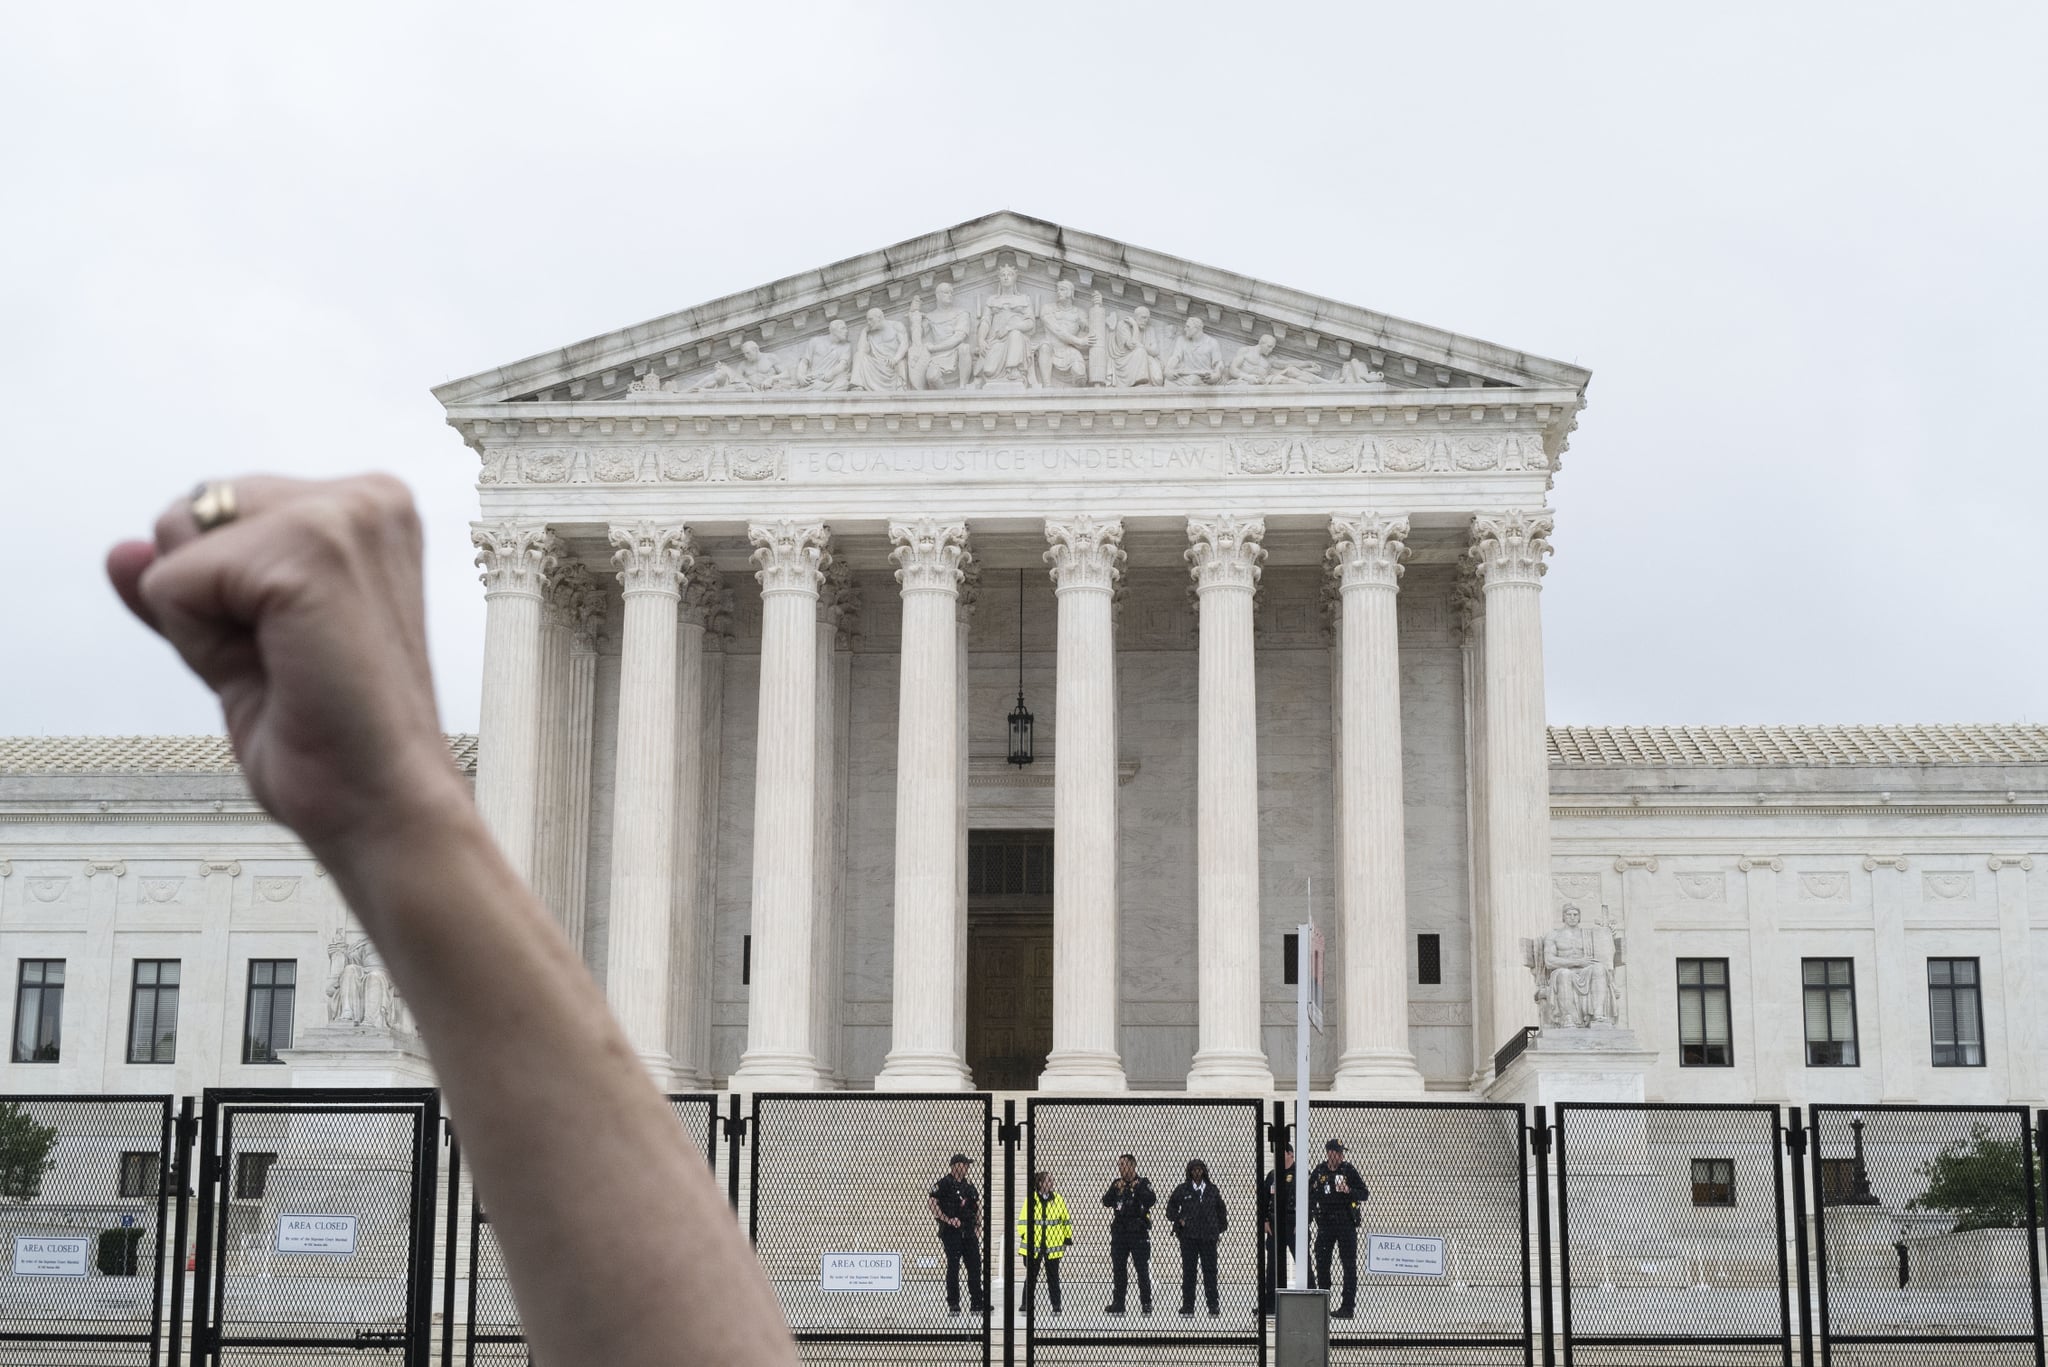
213 505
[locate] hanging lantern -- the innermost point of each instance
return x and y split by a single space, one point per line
1020 718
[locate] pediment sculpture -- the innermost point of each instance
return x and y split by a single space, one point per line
360 994
1012 339
1580 973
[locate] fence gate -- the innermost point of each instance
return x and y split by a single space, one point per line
84 1186
837 1209
495 1333
316 1218
1671 1235
1443 1240
1927 1236
1078 1141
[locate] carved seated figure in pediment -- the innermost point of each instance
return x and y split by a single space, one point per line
941 342
1134 352
1002 336
1360 370
1257 365
827 361
1575 970
755 370
881 358
1195 359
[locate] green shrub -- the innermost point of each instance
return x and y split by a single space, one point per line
1982 1181
117 1251
25 1153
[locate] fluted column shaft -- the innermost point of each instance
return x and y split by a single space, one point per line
1508 551
789 558
1372 891
1230 1056
1087 557
651 560
689 938
839 605
575 605
516 559
923 1054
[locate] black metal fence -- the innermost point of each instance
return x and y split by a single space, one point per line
1928 1236
1673 1234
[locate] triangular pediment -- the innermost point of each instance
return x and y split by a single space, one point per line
1032 306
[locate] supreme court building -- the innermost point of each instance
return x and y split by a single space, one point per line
771 585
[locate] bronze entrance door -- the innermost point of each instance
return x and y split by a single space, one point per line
1009 958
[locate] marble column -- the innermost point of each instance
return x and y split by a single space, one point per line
580 710
789 558
516 559
1087 558
963 621
689 927
2016 977
839 604
567 672
1508 552
1372 888
924 1054
1471 607
699 985
1223 555
651 560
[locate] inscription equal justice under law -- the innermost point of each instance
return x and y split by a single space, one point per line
970 462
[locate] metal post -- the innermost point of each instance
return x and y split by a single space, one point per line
735 1131
422 1344
181 1185
2029 1154
209 1176
454 1233
1539 1141
1302 970
1802 1287
1009 1133
1276 1239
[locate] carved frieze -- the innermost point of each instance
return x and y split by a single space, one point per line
1703 887
1824 887
1948 885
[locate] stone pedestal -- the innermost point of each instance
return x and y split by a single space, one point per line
1601 1063
358 1056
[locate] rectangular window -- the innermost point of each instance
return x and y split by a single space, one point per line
153 1012
252 1174
1704 1039
1837 1180
1429 960
1955 1007
139 1173
273 993
1830 991
39 1011
1290 958
1713 1181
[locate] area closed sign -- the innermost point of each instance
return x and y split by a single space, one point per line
335 1234
860 1272
1406 1255
40 1257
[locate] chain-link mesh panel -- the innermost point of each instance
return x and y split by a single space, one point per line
1671 1233
851 1173
84 1186
321 1218
492 1331
1079 1141
1449 1204
1926 1235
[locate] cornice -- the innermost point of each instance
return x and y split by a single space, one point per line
1795 809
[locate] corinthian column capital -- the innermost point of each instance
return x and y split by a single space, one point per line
1367 550
790 556
1509 548
1086 552
515 557
574 599
702 590
970 588
652 558
1224 551
928 554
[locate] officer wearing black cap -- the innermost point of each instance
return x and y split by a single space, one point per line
1338 1191
956 1205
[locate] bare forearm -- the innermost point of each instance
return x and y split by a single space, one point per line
548 1097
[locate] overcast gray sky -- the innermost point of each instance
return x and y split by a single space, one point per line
1800 246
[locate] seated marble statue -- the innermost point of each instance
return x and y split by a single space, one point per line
1256 365
1133 353
1196 359
755 370
1574 981
1003 332
1360 370
881 358
827 362
941 342
1064 351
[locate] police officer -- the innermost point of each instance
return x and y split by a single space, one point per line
956 1205
1338 1191
1130 1200
1277 1201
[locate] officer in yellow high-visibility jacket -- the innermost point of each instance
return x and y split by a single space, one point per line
1044 1229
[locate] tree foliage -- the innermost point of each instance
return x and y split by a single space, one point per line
27 1151
1982 1181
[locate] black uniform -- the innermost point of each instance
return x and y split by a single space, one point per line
1130 1240
1199 1219
1277 1199
958 1198
1336 1214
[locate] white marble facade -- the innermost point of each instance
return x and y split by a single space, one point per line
753 582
